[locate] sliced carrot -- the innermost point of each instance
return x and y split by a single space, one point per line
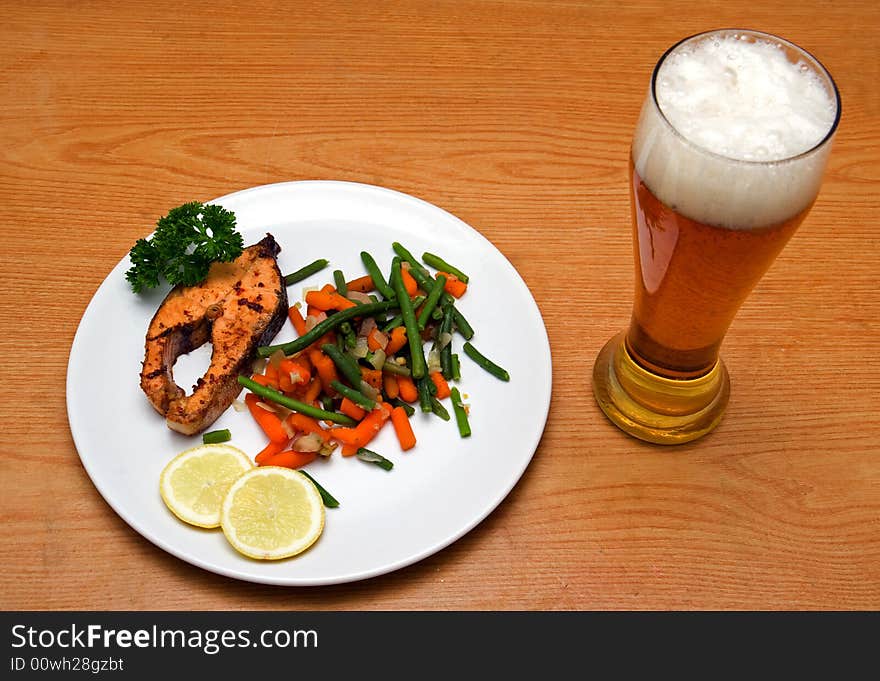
403 428
396 341
454 286
269 451
443 390
408 390
408 282
377 340
267 420
291 459
349 408
389 384
328 301
296 318
361 284
349 450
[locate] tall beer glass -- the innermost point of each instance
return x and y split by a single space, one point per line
726 161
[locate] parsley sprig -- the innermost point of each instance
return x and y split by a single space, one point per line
184 245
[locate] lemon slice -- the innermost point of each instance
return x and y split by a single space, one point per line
271 513
194 482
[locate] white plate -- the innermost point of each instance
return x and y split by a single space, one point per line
436 492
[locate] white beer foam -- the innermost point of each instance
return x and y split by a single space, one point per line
743 118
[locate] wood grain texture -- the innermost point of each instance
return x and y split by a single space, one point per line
516 116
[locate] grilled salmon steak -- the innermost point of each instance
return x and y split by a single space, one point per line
240 305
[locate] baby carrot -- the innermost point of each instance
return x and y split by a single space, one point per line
349 408
372 423
362 284
296 370
291 459
312 392
454 286
296 318
377 340
324 300
372 377
408 282
396 341
402 428
267 420
326 370
306 424
390 386
263 380
442 386
408 390
268 452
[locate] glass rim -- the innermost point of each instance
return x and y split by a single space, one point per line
772 38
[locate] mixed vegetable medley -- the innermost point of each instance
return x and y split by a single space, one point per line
368 350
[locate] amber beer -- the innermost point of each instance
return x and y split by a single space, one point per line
691 279
726 161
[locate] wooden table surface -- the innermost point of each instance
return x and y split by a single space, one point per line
515 116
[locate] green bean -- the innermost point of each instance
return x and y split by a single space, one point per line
414 338
410 258
392 324
439 409
285 401
376 275
370 456
397 320
461 324
446 352
327 402
461 417
346 364
328 324
431 301
355 396
485 362
425 394
326 497
456 368
339 280
395 368
216 437
397 402
306 271
439 263
426 283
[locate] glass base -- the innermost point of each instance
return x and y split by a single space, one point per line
656 409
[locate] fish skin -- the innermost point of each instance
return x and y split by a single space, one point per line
241 305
